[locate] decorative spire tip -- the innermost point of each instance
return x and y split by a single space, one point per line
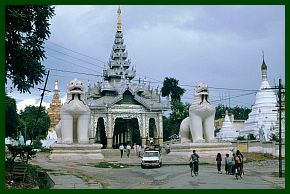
119 26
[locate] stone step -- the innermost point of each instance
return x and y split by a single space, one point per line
111 152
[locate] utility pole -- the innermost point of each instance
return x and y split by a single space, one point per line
280 130
39 108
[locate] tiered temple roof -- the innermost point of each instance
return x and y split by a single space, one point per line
118 86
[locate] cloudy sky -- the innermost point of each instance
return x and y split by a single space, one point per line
218 45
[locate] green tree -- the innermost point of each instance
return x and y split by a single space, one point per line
28 116
26 29
240 113
11 117
170 87
220 111
171 124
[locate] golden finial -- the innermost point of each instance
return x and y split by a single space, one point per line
119 27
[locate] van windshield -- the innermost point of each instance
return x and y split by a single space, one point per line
151 154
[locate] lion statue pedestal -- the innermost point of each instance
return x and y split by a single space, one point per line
197 130
73 128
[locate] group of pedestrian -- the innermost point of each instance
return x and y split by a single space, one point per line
136 149
231 163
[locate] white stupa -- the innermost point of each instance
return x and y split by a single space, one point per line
227 132
262 121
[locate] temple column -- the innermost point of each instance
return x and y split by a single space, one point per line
92 127
125 137
109 143
109 132
143 141
160 131
144 126
122 137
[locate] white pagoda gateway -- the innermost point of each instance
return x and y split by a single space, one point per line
124 110
262 121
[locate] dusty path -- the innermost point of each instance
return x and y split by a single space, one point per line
83 175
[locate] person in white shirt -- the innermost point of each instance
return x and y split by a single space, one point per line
121 148
140 151
128 150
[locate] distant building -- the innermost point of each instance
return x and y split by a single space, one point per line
54 108
262 121
237 124
227 131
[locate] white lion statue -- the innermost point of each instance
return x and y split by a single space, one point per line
74 116
199 126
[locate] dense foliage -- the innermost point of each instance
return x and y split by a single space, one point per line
240 113
171 124
26 29
28 116
11 118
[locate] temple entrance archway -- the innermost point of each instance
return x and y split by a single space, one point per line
101 133
126 131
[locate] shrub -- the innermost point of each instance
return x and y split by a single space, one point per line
274 137
24 152
241 138
251 137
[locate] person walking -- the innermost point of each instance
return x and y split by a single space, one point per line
219 162
128 147
241 158
121 148
135 149
194 158
226 164
238 163
233 164
229 164
140 151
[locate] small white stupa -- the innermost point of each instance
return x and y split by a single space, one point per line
227 132
262 121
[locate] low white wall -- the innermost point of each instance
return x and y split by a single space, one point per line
260 147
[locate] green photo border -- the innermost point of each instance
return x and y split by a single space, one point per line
136 2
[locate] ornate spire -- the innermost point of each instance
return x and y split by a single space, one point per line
264 69
118 67
54 108
119 27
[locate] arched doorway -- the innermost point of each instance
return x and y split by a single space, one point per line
101 136
126 131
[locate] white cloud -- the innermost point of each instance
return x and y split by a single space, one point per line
63 99
30 102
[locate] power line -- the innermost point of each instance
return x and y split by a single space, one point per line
75 72
76 52
75 57
72 63
235 96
